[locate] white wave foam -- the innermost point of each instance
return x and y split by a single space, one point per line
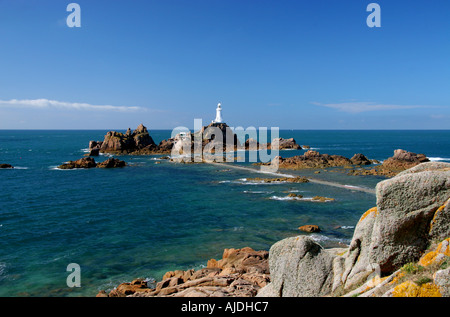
311 199
257 192
56 168
347 227
290 198
437 159
323 238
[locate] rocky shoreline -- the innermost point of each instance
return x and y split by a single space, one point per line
400 248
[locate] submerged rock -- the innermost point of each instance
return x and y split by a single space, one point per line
309 228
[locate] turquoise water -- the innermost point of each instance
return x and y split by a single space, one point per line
148 218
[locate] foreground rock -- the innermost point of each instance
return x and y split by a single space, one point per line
412 212
240 273
89 162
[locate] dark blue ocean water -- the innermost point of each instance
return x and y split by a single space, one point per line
148 218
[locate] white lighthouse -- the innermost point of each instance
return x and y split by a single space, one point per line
218 118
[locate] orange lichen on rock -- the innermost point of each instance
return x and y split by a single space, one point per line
438 255
368 212
411 289
436 213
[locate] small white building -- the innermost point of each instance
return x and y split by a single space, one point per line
218 114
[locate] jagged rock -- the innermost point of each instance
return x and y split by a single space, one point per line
85 162
131 142
360 159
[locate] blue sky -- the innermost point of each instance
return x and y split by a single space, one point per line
291 64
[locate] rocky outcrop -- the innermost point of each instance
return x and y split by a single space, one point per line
240 273
311 159
137 142
400 161
285 144
360 159
85 162
89 162
412 213
6 166
111 163
403 160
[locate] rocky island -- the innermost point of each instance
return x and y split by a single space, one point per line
400 248
89 162
401 161
139 142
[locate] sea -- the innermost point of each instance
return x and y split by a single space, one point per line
155 216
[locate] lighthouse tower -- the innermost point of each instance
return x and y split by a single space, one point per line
218 118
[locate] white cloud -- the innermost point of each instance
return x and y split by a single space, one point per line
357 107
54 104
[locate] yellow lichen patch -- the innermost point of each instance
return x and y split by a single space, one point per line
429 290
368 212
436 256
406 289
411 289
